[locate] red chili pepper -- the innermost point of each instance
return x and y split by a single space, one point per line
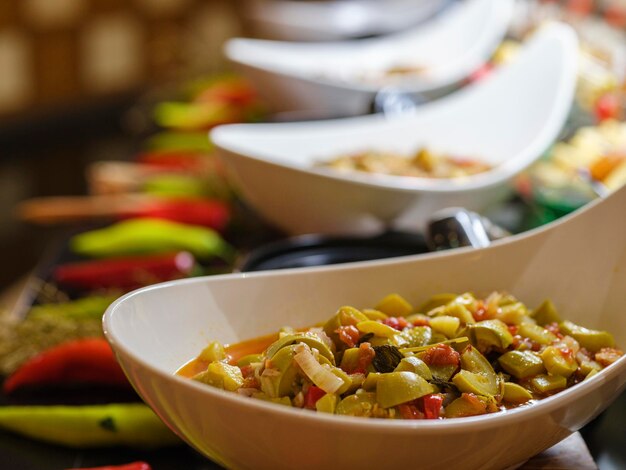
174 160
441 355
83 360
124 273
128 466
432 405
312 395
209 213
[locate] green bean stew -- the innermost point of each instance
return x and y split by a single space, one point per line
463 356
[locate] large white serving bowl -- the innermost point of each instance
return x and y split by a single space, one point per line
322 20
578 262
508 120
324 77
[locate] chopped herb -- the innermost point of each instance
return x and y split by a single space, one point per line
108 423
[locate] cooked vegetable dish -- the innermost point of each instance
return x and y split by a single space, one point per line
464 356
424 164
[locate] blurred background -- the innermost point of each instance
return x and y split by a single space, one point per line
83 82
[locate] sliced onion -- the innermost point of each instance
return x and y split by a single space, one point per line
318 374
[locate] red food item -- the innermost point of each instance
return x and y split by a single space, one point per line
482 72
441 355
481 312
397 323
83 360
366 355
313 394
234 92
607 356
608 106
174 160
432 405
349 335
208 213
554 329
408 411
128 466
124 273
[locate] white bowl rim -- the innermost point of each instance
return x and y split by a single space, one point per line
416 85
542 406
499 173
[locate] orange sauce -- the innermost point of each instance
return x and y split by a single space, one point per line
234 352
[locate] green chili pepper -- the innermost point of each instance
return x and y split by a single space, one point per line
132 424
150 236
85 308
195 141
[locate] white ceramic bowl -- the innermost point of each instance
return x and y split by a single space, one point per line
330 20
578 262
327 77
508 119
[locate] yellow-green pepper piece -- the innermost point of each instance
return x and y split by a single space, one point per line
544 383
249 359
396 388
143 236
557 363
221 375
371 380
377 329
490 333
536 333
515 394
514 314
417 336
592 340
359 404
521 364
472 382
350 359
213 352
415 365
374 314
446 325
394 305
467 405
459 311
546 313
281 384
327 404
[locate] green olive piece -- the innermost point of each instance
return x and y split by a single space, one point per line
515 394
592 340
548 383
310 339
249 359
280 384
374 314
415 365
474 361
557 363
521 364
490 333
546 313
459 311
442 373
536 333
371 380
396 388
445 325
377 329
350 359
213 352
359 404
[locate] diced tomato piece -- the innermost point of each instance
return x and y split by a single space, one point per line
349 335
607 356
513 329
313 394
432 405
480 313
410 412
441 355
366 354
608 106
397 323
554 329
420 322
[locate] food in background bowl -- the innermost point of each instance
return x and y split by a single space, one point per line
424 164
464 356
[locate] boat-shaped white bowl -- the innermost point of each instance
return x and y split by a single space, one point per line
291 20
578 262
329 77
508 120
